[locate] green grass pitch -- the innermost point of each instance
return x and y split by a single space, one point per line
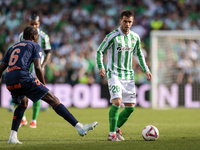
179 130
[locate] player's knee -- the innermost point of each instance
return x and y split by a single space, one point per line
24 101
56 100
51 99
117 101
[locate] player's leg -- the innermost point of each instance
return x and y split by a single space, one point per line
61 110
36 110
18 114
113 118
123 117
36 105
129 100
116 100
24 120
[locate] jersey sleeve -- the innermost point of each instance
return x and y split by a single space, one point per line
106 43
46 43
37 52
140 57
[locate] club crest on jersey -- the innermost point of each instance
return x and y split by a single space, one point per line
133 41
105 38
119 48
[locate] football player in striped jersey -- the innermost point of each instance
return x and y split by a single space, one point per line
43 41
120 45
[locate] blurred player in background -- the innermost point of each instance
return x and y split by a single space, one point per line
121 44
23 85
43 41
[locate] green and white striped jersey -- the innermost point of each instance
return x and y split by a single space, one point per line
43 40
120 49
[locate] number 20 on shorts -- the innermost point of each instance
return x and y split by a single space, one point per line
114 88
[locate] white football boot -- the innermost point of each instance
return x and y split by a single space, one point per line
119 135
87 127
14 141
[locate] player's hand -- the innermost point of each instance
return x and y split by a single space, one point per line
102 72
149 76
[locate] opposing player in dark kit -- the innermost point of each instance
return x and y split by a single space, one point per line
23 85
44 42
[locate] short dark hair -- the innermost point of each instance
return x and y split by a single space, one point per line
127 13
34 17
29 32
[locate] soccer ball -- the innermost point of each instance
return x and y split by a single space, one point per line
150 133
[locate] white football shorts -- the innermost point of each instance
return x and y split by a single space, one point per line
120 88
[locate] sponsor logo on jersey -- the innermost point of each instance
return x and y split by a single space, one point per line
13 68
119 48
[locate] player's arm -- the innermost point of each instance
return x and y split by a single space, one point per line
99 55
47 49
47 58
37 63
141 60
38 70
3 66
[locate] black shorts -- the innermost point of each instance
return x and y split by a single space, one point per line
32 88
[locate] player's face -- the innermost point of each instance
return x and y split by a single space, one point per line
34 23
126 24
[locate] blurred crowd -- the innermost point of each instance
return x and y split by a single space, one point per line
187 58
178 60
77 27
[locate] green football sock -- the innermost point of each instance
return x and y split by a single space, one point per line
113 117
36 110
124 115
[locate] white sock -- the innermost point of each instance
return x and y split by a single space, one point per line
13 134
34 121
23 118
111 133
78 126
